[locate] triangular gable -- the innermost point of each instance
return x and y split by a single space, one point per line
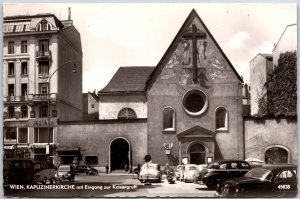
196 131
177 40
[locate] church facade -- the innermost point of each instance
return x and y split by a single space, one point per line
187 109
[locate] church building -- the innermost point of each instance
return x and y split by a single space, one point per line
187 109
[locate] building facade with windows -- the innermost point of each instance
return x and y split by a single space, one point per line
187 109
40 53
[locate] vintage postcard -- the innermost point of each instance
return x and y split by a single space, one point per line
149 100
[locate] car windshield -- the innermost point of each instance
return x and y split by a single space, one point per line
212 165
259 173
180 167
64 168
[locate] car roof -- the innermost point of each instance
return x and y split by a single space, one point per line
228 160
278 166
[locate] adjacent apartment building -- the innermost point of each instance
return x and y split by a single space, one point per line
42 60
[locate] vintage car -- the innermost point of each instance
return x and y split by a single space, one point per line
66 172
190 173
43 172
265 181
150 172
81 169
91 171
221 170
179 172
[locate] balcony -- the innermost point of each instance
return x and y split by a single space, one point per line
9 99
42 97
43 55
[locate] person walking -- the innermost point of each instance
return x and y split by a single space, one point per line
106 167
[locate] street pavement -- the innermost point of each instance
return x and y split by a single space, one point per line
115 185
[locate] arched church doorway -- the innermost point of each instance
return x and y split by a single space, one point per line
119 154
275 155
197 153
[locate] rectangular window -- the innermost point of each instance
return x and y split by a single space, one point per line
93 106
90 160
43 88
24 112
44 45
44 68
41 135
11 90
23 46
43 111
11 112
24 89
23 135
11 133
11 47
24 68
11 68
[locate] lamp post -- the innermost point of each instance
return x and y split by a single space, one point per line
48 109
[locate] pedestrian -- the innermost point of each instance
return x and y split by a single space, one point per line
130 169
126 168
139 169
106 167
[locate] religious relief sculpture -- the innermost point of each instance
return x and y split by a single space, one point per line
170 69
186 52
202 78
216 69
201 52
186 78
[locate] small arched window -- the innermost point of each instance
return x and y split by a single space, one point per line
44 25
276 155
221 119
168 119
11 112
126 113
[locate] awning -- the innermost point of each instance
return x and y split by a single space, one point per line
9 147
67 149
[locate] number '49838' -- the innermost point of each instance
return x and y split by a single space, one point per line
284 186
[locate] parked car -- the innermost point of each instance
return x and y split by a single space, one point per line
81 169
265 181
201 167
66 172
179 172
43 172
221 170
190 173
91 171
150 172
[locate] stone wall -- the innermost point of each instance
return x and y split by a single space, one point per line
95 137
263 133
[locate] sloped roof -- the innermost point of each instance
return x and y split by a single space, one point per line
128 79
193 14
94 95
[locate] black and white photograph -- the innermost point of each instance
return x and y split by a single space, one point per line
149 100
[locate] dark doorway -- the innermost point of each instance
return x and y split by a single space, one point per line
197 154
119 151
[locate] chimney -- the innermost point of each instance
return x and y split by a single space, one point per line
69 16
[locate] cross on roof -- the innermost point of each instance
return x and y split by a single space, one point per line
194 35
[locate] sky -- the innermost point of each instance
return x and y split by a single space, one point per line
138 34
